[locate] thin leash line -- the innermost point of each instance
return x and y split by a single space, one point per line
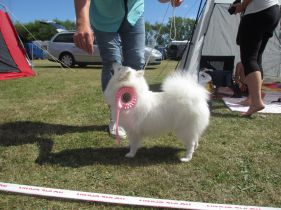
173 24
199 13
193 6
187 44
164 70
157 36
34 38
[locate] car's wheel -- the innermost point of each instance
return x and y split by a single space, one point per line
67 60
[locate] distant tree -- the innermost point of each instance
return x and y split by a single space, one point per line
183 28
162 34
69 25
149 32
156 34
34 31
37 31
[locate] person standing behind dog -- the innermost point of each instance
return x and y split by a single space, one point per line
256 27
115 23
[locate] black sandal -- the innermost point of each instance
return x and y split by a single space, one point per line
278 101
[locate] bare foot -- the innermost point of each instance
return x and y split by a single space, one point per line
246 102
252 110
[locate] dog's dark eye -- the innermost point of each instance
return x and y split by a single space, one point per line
126 97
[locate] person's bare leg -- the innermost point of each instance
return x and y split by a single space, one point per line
254 83
247 101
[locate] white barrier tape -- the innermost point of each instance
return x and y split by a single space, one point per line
118 199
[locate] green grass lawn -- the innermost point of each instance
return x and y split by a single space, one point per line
53 133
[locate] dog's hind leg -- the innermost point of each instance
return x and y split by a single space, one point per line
190 143
134 145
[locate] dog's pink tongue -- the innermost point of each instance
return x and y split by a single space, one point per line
126 98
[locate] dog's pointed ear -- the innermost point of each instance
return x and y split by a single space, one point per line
116 67
124 75
140 73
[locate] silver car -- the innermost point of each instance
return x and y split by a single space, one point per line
61 48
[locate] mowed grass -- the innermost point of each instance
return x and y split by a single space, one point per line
53 133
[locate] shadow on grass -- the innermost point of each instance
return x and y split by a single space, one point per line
90 67
64 68
46 67
214 106
224 115
27 132
114 156
155 87
219 110
151 67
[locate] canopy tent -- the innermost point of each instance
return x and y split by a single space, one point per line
14 62
214 41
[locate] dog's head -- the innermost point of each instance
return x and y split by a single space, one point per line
125 74
124 77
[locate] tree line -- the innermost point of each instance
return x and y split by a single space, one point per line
156 34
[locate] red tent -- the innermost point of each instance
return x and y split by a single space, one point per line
13 58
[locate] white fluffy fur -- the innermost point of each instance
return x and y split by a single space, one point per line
182 107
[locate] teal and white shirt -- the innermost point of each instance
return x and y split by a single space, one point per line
108 15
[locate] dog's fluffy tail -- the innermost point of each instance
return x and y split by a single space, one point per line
181 84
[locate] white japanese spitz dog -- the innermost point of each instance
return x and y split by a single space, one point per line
181 107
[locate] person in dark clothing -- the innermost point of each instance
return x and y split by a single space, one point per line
257 24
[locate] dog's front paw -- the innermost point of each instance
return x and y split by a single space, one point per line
186 159
130 155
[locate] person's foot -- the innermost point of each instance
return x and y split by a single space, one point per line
252 110
246 102
112 130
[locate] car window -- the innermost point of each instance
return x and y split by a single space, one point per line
68 38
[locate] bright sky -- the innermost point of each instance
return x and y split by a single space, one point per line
26 11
